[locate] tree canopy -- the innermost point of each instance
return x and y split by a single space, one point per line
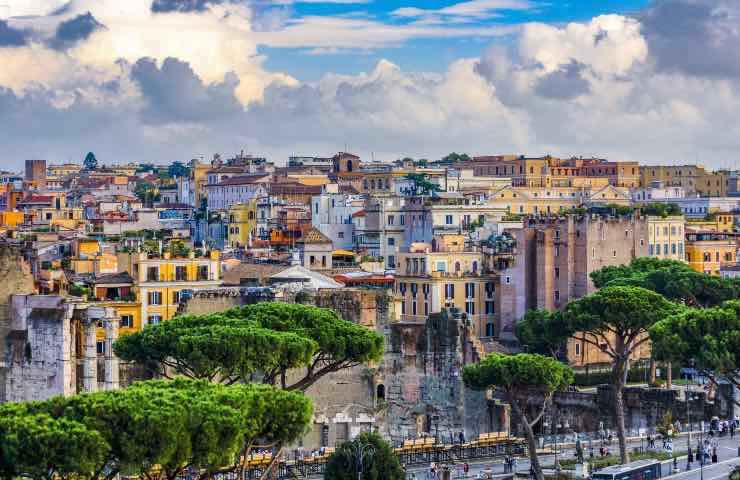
542 331
518 378
661 209
420 184
455 157
90 162
178 169
175 425
380 462
269 337
674 280
709 338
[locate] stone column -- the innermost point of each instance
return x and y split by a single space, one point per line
90 359
111 324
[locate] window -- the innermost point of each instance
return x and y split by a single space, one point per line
469 290
650 249
100 347
578 348
155 298
490 310
441 266
152 274
155 319
391 219
508 280
557 250
391 241
665 249
673 248
557 272
470 307
402 219
127 321
556 296
340 235
202 272
181 273
448 220
614 253
391 261
450 291
311 260
175 298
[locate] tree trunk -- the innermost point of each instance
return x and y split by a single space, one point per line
651 378
529 434
621 367
669 375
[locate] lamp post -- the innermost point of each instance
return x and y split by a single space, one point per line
360 453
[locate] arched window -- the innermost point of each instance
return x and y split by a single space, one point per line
380 392
475 267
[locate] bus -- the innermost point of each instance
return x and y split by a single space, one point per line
639 470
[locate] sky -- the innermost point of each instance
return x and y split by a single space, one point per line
657 81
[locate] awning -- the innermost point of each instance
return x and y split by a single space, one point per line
342 253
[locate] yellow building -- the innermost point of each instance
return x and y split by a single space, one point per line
118 292
582 352
666 237
693 178
707 251
428 281
84 247
715 222
242 226
161 280
63 170
58 215
11 219
537 200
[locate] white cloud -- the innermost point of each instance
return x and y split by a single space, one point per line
472 10
359 33
609 44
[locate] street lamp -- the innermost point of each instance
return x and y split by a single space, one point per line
688 420
360 453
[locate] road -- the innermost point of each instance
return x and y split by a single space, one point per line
727 450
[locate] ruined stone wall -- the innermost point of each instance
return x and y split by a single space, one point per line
422 378
17 279
416 389
38 349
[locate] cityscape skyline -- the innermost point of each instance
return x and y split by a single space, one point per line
162 81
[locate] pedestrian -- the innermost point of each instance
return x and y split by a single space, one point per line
462 437
513 465
466 468
714 455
